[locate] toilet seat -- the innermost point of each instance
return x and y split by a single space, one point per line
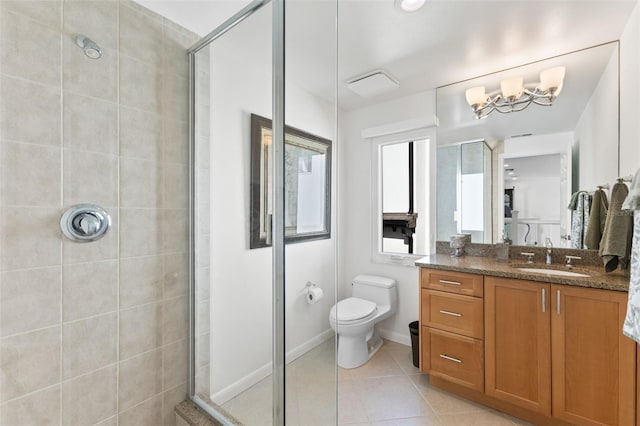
353 309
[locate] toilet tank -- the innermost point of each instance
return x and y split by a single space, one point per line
380 290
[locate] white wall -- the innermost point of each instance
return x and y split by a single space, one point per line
355 207
629 95
241 289
597 132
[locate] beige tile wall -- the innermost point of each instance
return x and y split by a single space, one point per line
92 333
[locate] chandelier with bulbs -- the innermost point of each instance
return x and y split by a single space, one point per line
514 96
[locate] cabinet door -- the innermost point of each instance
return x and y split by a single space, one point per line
517 343
593 362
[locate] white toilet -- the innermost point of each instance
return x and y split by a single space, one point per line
373 299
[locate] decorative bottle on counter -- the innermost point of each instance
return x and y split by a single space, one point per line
502 249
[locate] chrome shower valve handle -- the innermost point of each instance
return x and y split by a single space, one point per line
84 223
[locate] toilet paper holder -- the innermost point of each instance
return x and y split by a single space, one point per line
313 293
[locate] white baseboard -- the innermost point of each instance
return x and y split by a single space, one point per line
241 385
298 351
261 373
394 336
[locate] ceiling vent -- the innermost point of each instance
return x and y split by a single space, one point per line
372 83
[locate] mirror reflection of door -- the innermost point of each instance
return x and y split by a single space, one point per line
403 199
540 210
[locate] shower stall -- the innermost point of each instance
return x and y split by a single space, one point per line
150 293
261 353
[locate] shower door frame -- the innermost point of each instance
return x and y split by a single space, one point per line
278 244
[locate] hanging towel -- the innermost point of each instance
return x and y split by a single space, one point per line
631 326
597 219
615 247
573 203
580 204
632 202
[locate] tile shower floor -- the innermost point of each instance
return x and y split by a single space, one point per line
388 390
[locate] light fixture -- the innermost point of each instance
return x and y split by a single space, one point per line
409 5
514 96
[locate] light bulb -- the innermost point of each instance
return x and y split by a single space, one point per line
476 96
512 88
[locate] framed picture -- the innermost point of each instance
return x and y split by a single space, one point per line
307 185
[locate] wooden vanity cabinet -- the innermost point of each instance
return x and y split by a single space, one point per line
553 354
518 343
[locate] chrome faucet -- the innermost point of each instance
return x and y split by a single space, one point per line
549 246
529 256
569 263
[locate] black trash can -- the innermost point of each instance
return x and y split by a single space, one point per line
415 342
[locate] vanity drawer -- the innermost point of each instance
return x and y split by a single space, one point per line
453 312
455 358
452 282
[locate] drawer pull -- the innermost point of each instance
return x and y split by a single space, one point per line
453 314
450 282
450 358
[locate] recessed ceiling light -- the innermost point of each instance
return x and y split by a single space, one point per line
506 165
409 5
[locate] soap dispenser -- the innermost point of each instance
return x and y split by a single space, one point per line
549 246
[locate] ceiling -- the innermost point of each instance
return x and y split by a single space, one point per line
445 42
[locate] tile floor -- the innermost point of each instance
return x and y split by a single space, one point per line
386 391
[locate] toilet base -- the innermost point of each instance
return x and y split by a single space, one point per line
356 351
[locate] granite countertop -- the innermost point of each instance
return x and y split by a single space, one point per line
618 280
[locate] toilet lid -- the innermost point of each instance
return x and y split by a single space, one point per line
352 309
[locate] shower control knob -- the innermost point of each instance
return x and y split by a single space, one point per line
85 222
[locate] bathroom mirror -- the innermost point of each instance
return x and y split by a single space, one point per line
580 129
307 185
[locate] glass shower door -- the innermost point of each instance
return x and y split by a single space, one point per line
310 106
232 295
262 353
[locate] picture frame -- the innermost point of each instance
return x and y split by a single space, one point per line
307 185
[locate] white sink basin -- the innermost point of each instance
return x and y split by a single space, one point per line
553 272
